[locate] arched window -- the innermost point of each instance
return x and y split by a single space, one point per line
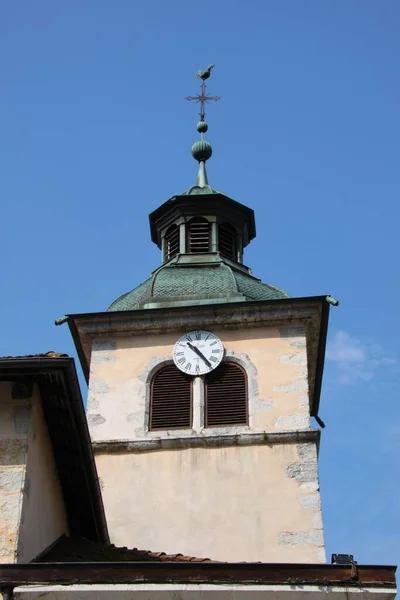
171 242
198 236
227 244
170 399
226 396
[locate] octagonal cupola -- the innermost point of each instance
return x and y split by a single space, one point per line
201 222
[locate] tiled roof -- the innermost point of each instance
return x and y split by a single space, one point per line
50 354
174 283
83 550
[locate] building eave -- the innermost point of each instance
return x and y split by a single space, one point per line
320 359
60 393
12 575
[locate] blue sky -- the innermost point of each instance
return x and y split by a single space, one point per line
95 133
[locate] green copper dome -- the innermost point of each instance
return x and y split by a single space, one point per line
179 285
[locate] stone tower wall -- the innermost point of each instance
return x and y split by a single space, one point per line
247 493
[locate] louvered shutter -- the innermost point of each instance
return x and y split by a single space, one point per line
226 396
170 399
227 241
198 236
171 242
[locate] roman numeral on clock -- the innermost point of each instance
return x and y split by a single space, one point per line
198 352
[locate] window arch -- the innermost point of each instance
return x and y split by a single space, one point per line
171 242
198 236
170 399
226 401
227 241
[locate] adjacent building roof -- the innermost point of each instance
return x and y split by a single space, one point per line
55 375
175 572
78 549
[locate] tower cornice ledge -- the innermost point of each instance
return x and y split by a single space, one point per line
312 313
207 441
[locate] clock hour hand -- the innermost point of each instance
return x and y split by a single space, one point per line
197 351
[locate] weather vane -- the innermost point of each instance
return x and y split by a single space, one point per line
202 149
202 97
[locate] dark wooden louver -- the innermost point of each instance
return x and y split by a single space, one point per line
227 241
171 242
226 396
170 399
198 236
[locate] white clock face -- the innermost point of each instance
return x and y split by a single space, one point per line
198 352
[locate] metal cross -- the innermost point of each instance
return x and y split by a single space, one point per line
203 99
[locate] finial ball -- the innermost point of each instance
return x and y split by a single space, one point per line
201 150
202 126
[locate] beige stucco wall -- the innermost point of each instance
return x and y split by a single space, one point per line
32 513
235 503
254 503
43 512
275 359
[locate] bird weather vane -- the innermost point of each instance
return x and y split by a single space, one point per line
203 98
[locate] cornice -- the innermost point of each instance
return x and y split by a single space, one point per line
227 315
206 441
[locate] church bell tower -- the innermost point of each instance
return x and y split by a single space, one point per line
202 381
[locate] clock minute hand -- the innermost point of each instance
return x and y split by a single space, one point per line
197 351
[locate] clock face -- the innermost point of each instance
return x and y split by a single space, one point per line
198 352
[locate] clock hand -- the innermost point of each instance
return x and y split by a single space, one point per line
197 351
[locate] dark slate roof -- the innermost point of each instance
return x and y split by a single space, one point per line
83 550
177 283
255 289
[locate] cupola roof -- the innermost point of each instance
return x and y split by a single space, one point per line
180 284
202 234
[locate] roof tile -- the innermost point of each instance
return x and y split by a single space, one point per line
83 550
50 354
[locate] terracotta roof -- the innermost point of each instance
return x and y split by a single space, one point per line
83 550
50 354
